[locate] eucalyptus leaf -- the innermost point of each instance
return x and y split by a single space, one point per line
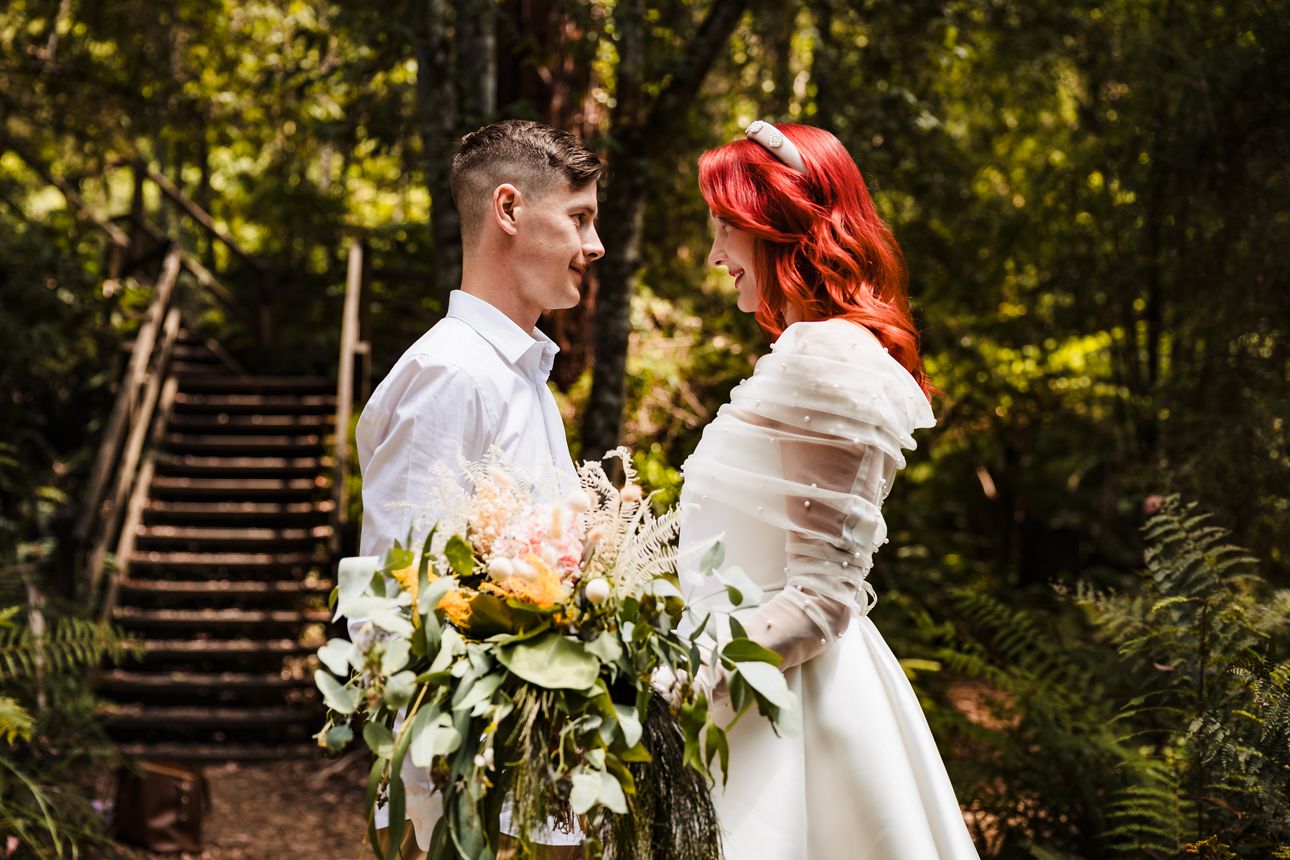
735 576
714 556
338 655
354 575
611 794
606 646
341 699
551 661
743 650
585 792
379 739
630 724
460 556
481 691
395 656
769 681
338 737
400 689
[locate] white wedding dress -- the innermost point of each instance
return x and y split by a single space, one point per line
792 474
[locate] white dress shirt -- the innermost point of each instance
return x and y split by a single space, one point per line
474 380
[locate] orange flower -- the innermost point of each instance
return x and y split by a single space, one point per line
407 580
456 607
543 588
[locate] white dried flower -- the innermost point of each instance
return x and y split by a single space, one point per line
631 494
500 568
578 502
597 590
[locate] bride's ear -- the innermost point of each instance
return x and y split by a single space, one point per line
507 203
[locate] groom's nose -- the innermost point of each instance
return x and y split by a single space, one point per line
592 248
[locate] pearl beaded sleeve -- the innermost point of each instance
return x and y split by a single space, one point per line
810 445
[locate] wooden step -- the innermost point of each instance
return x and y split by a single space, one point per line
190 403
124 681
214 619
196 466
286 425
186 368
199 648
229 384
231 445
209 753
235 489
217 539
137 716
259 564
238 513
217 589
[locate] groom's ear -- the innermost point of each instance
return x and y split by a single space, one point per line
507 201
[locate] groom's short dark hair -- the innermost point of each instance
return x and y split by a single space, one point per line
529 155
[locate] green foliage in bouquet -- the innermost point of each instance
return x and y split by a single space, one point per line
543 655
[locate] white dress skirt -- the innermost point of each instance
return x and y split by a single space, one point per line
791 476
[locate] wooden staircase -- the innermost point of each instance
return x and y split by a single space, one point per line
227 580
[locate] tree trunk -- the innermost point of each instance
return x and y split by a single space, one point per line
823 65
436 111
640 128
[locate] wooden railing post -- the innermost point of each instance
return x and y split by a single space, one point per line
349 345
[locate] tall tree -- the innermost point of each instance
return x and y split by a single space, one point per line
642 122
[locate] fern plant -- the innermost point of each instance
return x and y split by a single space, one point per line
44 705
1148 723
1210 729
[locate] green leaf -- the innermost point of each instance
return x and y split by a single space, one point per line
551 661
713 558
481 691
606 647
768 681
585 792
397 558
460 556
395 656
432 738
379 739
400 689
735 577
611 794
743 650
630 724
354 575
337 655
338 737
715 742
341 699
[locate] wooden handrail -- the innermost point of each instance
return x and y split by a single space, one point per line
350 346
125 411
130 482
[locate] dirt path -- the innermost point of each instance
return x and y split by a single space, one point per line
278 811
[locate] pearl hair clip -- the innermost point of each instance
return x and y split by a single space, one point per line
776 143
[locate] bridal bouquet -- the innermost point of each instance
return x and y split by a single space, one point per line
537 654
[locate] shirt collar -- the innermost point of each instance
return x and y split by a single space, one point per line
533 351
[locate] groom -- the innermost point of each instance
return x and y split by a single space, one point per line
526 197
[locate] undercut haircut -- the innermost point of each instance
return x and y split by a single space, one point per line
529 155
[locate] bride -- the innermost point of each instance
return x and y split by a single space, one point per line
793 472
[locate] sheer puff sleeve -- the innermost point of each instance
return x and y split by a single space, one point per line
809 445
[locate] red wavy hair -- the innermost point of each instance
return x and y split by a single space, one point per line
821 247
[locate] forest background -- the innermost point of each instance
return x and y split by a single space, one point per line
1090 196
